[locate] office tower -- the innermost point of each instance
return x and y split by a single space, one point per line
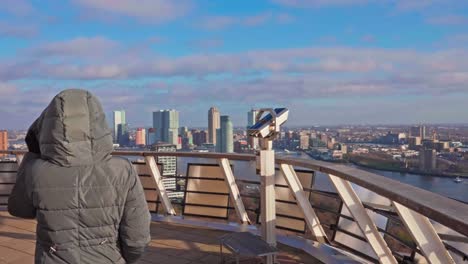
418 131
251 116
199 137
213 124
140 137
123 137
427 159
151 136
169 169
225 142
3 141
119 119
166 123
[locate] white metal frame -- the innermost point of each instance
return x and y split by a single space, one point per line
365 223
234 190
154 171
310 216
424 234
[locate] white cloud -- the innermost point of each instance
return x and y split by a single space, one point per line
151 11
81 46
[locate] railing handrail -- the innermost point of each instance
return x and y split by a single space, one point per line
446 211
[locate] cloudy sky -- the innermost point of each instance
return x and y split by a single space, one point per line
329 61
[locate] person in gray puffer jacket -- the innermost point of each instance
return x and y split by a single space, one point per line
90 206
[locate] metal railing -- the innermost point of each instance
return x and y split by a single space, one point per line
361 213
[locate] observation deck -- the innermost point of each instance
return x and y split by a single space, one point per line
324 212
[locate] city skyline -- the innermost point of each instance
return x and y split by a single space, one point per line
329 62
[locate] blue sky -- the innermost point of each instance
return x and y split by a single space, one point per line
329 61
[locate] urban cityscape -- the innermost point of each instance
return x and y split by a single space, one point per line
439 150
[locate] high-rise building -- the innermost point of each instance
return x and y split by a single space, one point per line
427 159
418 131
251 116
213 124
119 119
3 141
414 143
166 123
123 137
140 137
169 169
225 140
151 136
199 137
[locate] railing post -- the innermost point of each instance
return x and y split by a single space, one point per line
266 167
233 190
154 171
19 159
424 234
310 216
365 223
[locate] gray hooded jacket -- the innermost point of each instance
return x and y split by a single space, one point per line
90 207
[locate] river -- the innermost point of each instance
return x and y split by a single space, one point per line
441 185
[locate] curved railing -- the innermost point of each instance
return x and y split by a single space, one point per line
365 214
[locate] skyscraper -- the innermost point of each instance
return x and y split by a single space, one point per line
119 119
251 116
213 124
166 123
225 141
418 131
3 141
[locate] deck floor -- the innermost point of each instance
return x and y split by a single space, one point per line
171 244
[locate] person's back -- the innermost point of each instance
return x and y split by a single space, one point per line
90 206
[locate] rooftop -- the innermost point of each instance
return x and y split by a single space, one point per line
171 243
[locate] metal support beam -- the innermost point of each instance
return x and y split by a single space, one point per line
365 223
19 158
424 234
154 171
310 216
233 190
266 167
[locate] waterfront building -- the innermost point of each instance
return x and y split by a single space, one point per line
225 136
427 159
414 143
213 124
166 123
119 119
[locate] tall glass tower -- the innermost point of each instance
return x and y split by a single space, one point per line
225 141
119 119
166 123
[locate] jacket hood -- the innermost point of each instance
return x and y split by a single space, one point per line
71 131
